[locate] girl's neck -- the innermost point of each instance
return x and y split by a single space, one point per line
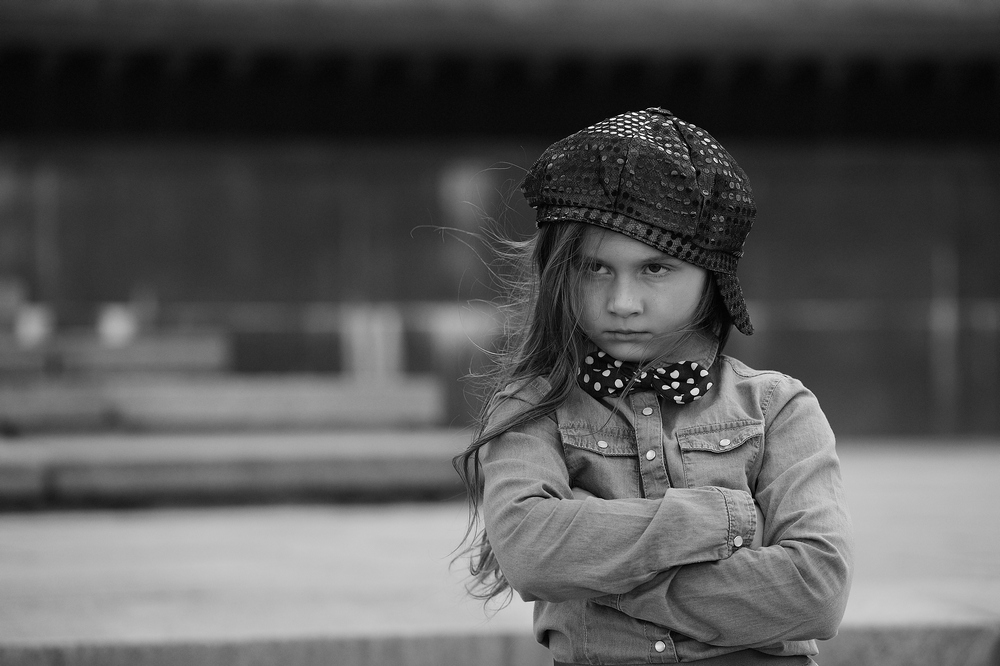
699 346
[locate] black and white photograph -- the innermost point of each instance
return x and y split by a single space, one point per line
499 332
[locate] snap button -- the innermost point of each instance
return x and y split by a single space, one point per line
659 646
738 541
650 454
602 444
724 443
648 411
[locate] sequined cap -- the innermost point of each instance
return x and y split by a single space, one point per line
653 177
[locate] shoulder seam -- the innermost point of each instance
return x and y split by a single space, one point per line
766 402
526 390
777 378
746 371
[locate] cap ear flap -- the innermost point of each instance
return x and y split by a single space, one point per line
732 294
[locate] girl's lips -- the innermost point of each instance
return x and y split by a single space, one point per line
627 335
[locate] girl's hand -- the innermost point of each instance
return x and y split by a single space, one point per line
580 493
758 534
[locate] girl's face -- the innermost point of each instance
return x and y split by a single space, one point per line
636 302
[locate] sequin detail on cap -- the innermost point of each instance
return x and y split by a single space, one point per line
657 179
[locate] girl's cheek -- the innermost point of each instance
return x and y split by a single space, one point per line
590 294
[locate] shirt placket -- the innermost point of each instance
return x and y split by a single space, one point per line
649 440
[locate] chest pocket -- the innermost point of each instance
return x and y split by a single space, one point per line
602 461
721 454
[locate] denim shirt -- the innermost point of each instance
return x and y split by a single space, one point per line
657 567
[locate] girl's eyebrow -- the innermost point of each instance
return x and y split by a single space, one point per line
663 257
653 257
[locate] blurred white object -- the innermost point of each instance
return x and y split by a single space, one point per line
373 341
117 325
33 324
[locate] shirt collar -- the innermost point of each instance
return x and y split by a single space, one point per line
704 349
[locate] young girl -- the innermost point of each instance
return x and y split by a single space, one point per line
658 501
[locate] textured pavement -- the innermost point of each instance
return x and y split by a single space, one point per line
927 518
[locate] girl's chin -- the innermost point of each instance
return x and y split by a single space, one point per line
628 353
642 351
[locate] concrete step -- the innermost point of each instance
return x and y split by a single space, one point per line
173 402
128 470
869 646
85 352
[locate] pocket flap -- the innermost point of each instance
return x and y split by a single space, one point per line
606 441
719 437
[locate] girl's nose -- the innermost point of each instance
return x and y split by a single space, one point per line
624 301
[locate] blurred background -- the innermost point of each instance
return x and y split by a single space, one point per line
241 201
240 284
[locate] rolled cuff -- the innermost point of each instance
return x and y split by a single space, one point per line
742 519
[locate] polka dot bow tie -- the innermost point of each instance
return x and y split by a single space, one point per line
602 376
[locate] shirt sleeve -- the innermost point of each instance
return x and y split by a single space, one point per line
794 588
553 547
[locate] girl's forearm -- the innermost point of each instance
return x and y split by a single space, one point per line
553 547
795 590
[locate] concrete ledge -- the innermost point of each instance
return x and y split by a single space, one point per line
156 469
914 645
856 646
455 650
85 352
215 402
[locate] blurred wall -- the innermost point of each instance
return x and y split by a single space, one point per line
207 164
870 270
228 221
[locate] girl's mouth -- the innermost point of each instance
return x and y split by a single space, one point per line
627 335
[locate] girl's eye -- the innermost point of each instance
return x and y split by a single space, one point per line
656 269
594 267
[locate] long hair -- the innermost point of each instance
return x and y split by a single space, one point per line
542 338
